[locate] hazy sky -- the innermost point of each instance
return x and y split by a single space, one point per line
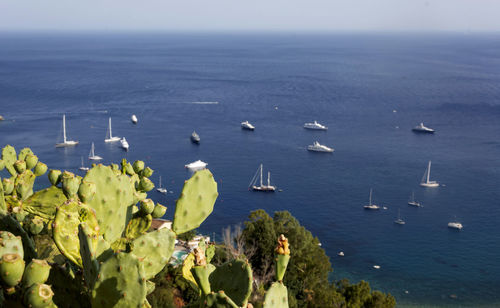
234 15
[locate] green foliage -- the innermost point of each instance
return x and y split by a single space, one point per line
187 236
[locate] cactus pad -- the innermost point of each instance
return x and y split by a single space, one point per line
37 271
159 211
276 296
137 226
11 269
154 249
88 254
196 201
219 300
201 274
9 243
9 157
120 283
54 176
234 278
44 203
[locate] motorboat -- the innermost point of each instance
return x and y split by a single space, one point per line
421 128
315 125
455 225
341 254
195 138
261 186
124 144
133 118
399 221
82 167
161 189
66 142
370 205
316 147
426 182
109 134
412 201
247 125
92 155
196 165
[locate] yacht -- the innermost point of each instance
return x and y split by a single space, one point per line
421 128
195 138
66 142
83 168
426 182
124 144
455 225
319 148
370 205
133 119
315 125
92 155
412 201
261 187
247 125
196 165
160 189
109 134
399 221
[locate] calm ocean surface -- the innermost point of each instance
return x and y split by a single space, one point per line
352 83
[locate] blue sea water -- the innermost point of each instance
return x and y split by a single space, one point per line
369 89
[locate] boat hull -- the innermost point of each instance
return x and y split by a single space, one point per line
95 158
414 204
454 225
114 139
162 190
66 144
429 185
264 188
247 128
371 207
320 150
422 131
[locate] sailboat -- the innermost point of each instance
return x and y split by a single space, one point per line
92 155
124 144
195 138
370 205
109 134
83 168
412 200
426 182
399 221
160 189
261 187
66 142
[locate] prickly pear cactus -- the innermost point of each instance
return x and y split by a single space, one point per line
9 243
283 252
219 300
11 269
38 296
235 279
44 203
276 296
154 249
138 226
37 271
196 201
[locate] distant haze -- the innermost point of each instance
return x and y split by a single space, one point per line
251 15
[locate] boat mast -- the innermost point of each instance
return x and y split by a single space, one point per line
64 128
428 171
268 178
370 203
160 181
92 150
260 175
110 133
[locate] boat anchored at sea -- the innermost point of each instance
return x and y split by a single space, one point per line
161 189
261 186
370 205
412 201
196 165
195 138
455 225
124 144
133 118
82 167
426 182
399 221
315 125
92 155
421 128
317 147
109 134
66 142
246 125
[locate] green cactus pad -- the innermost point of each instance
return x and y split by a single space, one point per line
276 296
2 164
112 201
9 157
70 184
150 287
86 191
8 186
24 153
20 166
121 282
219 300
44 203
137 226
31 161
9 243
196 201
210 252
281 264
40 169
37 271
7 222
155 249
3 205
11 269
201 274
65 229
24 184
36 226
39 296
54 176
234 278
88 254
159 211
147 206
187 265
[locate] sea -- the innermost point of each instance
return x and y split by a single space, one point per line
370 89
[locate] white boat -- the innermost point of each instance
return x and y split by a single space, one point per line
261 187
160 189
247 125
421 128
83 168
399 221
315 125
92 155
316 147
195 138
412 201
66 142
455 225
341 254
109 134
134 119
376 266
196 165
370 205
124 144
426 182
